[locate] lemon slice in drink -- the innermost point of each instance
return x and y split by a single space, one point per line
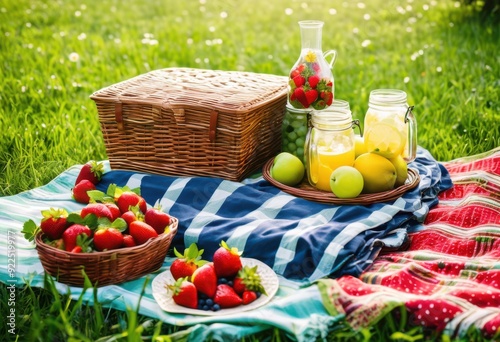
384 140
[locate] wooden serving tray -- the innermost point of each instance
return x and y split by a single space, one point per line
306 191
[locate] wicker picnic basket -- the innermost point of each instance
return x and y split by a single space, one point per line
193 122
108 267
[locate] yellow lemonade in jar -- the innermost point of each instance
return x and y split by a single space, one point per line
389 125
324 162
330 145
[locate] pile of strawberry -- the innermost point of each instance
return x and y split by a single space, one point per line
222 283
115 219
307 88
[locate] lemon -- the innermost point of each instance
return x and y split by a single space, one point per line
359 145
379 174
401 169
385 140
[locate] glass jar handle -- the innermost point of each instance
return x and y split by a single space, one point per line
334 57
412 134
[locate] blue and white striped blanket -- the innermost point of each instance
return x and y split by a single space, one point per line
299 239
302 241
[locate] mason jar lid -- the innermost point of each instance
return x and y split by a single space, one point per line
387 98
332 118
338 103
293 110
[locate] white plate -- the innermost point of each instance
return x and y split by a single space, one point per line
164 298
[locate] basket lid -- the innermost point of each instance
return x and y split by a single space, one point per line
181 87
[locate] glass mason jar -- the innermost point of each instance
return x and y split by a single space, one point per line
390 128
310 83
330 145
343 104
294 131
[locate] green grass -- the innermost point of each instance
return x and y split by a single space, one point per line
445 57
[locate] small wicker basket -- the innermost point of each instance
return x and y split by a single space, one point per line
108 267
193 122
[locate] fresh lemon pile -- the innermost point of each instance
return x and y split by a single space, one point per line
382 169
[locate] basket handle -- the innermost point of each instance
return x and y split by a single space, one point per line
212 130
119 115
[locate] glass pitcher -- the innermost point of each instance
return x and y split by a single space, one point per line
390 128
311 83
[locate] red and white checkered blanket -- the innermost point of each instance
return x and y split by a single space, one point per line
448 279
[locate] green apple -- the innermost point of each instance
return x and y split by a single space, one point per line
401 169
346 182
287 169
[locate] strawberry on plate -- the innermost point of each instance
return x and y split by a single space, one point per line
54 222
227 261
205 280
226 297
184 293
248 279
187 263
91 171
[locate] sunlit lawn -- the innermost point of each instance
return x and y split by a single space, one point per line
55 54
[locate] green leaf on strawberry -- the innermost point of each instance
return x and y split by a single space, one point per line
30 229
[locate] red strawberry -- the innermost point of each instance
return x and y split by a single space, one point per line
226 297
186 263
157 219
300 96
313 81
327 96
299 80
311 96
113 208
77 249
129 217
248 279
91 171
54 223
128 241
130 199
184 293
205 280
297 71
98 209
107 239
80 191
227 261
71 234
248 297
141 232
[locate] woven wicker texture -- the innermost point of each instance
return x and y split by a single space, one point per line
108 267
182 121
307 191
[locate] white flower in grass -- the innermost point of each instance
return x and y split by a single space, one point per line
366 42
223 15
74 57
332 11
406 79
82 36
78 13
288 11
